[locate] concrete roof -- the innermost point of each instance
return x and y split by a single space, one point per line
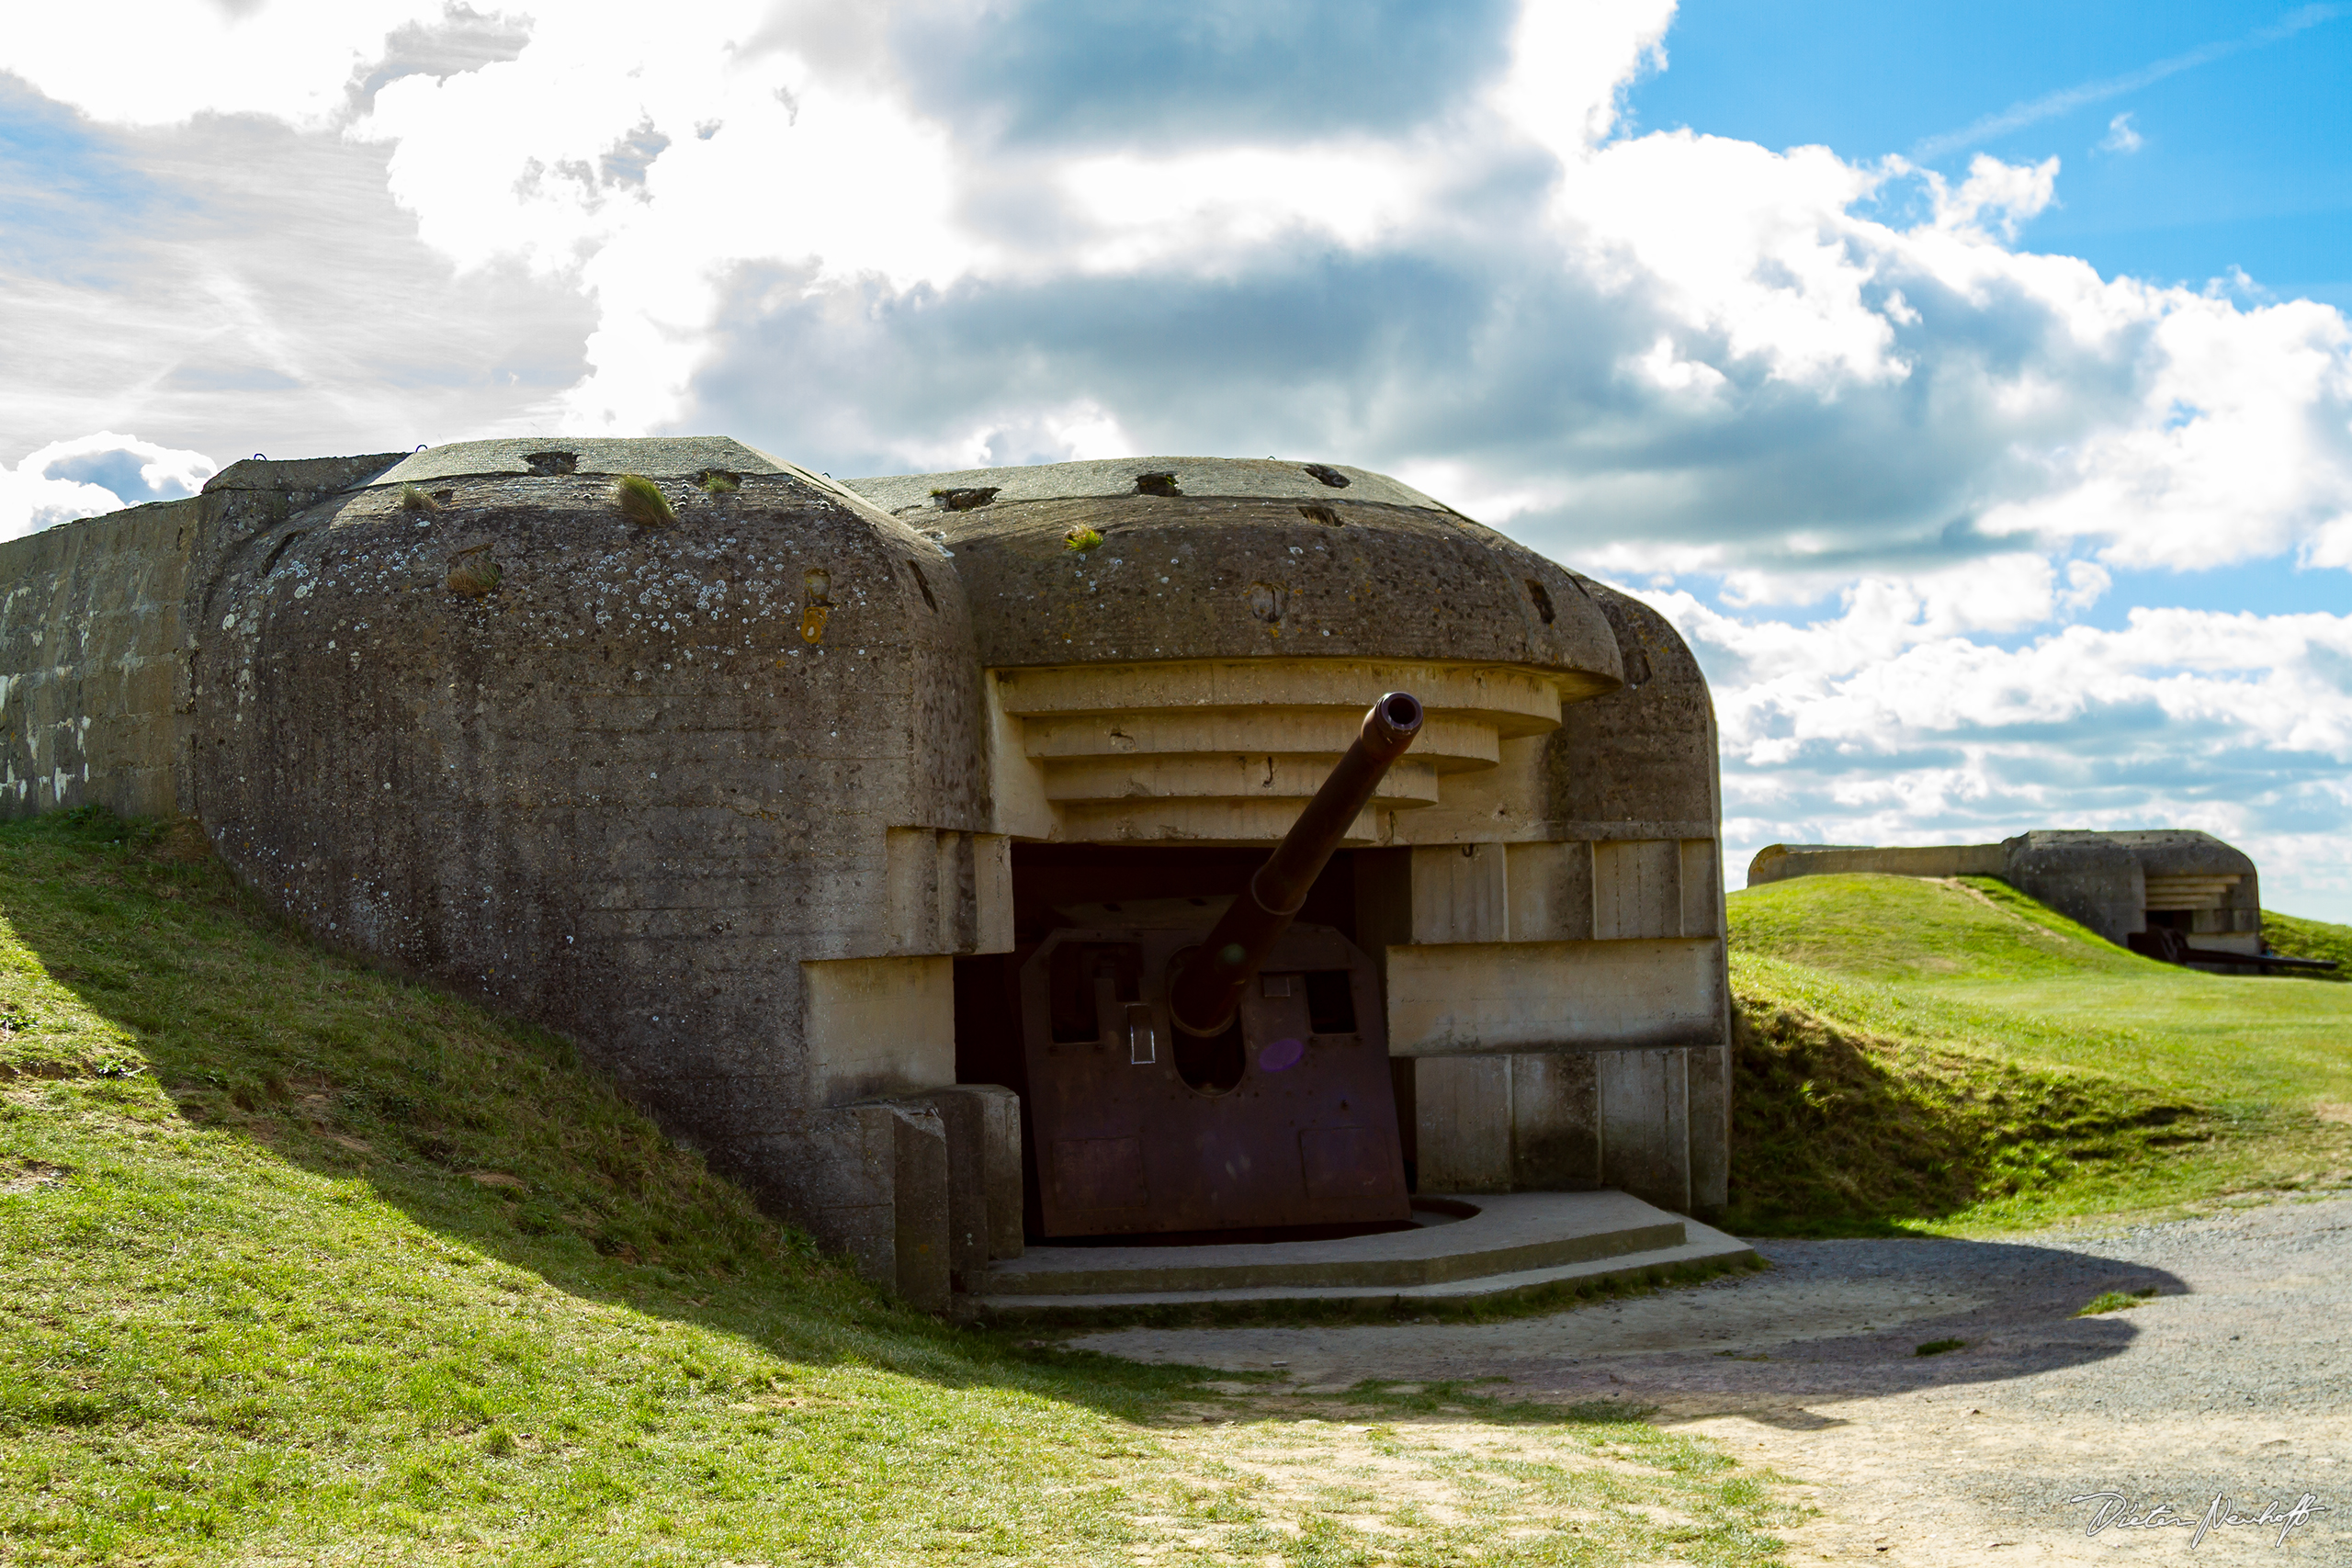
655 456
1223 478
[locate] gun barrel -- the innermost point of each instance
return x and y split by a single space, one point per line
1205 994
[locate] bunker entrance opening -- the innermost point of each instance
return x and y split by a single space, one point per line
1285 1123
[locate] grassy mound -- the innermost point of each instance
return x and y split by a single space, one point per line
304 1264
1837 1131
1913 930
1912 1051
2300 938
303 1255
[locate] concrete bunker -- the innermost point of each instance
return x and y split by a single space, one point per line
2170 894
812 809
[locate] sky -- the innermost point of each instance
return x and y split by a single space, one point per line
1971 385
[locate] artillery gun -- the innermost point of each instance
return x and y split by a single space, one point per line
1191 1076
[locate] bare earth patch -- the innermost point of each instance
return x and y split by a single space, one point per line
1317 1478
18 1179
2228 1381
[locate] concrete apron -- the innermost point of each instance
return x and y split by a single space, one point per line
1489 1248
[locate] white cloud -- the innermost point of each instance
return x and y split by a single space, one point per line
2013 192
2120 137
1888 723
757 154
1571 61
103 471
159 62
693 172
1810 379
2238 445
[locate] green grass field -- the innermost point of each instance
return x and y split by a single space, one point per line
305 1265
1952 1053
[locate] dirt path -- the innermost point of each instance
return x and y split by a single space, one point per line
2235 1378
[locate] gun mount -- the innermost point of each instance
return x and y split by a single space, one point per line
1171 1093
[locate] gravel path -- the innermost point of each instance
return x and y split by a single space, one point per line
2232 1378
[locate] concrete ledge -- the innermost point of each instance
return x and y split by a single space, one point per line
1515 1240
1779 862
1708 1251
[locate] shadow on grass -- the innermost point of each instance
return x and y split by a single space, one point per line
1837 1133
1402 1398
489 1133
493 1136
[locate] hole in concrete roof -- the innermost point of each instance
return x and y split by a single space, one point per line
923 584
1315 512
1156 484
964 500
1543 599
546 464
1328 474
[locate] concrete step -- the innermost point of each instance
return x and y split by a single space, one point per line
1466 1248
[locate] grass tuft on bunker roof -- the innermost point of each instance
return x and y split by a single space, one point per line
642 502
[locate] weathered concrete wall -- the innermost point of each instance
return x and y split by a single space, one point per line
1469 998
2207 887
1639 1121
1640 763
173 657
1636 772
1778 862
93 664
2086 877
708 798
96 630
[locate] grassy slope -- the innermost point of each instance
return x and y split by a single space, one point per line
307 1263
2299 938
1919 1050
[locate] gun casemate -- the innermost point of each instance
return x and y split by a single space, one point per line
958 860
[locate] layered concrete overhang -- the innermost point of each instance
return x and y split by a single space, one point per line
1181 648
